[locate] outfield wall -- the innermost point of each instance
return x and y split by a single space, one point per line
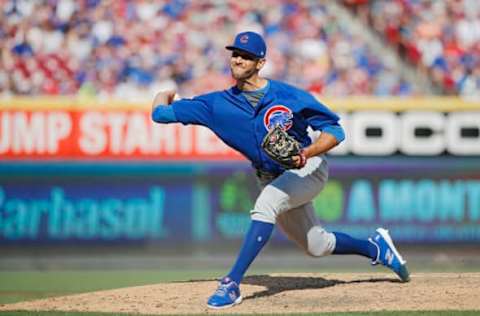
86 172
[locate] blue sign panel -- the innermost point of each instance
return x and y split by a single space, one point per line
114 210
439 202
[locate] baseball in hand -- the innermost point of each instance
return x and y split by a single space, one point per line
172 96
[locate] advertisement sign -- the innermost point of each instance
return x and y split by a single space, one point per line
104 135
85 211
410 133
42 130
94 173
439 204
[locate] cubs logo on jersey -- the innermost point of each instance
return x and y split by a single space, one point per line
278 115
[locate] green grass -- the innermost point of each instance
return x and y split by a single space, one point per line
27 285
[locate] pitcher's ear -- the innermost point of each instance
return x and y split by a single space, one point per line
261 62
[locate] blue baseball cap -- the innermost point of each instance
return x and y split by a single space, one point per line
249 42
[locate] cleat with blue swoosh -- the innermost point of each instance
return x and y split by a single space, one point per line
388 255
226 295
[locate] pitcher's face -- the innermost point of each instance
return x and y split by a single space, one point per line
243 65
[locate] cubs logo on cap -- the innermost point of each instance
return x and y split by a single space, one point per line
244 39
251 43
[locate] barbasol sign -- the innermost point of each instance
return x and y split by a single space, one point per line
415 133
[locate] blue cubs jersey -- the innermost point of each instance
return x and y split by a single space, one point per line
243 126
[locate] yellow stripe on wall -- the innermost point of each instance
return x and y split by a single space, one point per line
69 103
442 104
398 104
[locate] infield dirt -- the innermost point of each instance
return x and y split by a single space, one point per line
282 293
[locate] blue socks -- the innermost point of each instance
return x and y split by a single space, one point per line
347 245
259 233
257 236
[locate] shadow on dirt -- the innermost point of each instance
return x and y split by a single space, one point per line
278 284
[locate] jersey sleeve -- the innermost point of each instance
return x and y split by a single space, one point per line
194 111
163 114
321 118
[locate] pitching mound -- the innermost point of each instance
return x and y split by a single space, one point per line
282 293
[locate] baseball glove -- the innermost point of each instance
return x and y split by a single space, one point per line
282 147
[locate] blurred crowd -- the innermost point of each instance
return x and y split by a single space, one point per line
130 49
442 38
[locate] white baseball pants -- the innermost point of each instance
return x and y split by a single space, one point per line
287 201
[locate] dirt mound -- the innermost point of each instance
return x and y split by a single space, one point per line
282 293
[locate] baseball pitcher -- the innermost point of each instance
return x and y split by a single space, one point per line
267 121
